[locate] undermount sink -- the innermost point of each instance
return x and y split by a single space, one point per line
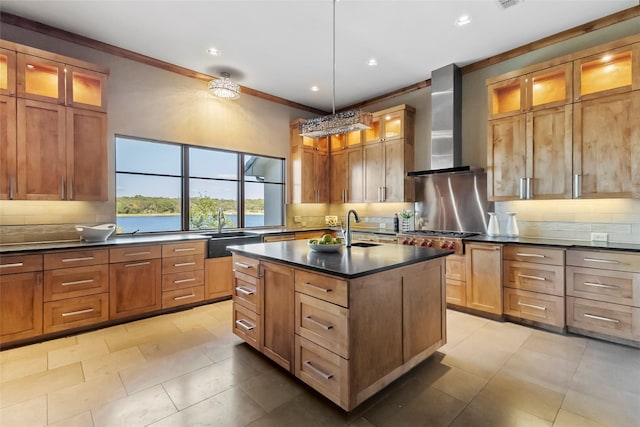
364 244
218 242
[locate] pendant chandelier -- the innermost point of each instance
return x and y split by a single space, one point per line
336 123
224 88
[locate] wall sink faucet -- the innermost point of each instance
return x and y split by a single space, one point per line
221 220
347 233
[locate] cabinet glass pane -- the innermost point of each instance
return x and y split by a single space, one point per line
41 79
307 142
506 98
550 87
322 144
392 125
607 72
354 138
4 72
337 142
87 88
373 134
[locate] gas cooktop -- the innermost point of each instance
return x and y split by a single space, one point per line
442 233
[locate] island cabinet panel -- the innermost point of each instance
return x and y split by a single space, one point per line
247 325
323 323
324 287
277 343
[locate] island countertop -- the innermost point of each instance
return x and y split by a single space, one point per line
348 263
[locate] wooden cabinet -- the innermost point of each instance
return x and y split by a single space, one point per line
456 279
388 124
41 79
347 175
182 273
218 282
248 296
484 277
277 340
345 141
135 281
8 147
7 72
308 168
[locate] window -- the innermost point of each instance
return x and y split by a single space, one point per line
153 180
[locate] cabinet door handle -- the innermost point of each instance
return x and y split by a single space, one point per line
602 261
606 319
192 279
245 325
184 264
62 189
530 255
75 313
70 190
320 288
184 249
529 189
523 185
138 253
526 276
137 264
86 258
600 285
317 371
317 322
184 297
15 264
577 186
537 307
243 290
77 282
11 189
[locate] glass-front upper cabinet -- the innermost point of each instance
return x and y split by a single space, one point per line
386 125
40 79
607 73
86 88
7 72
507 97
549 87
346 140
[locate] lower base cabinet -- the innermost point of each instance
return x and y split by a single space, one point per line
75 312
20 305
218 281
484 277
277 341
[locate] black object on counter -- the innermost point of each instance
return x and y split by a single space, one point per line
396 224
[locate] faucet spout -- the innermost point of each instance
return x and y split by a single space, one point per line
221 220
347 235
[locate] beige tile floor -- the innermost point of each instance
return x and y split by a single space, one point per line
188 369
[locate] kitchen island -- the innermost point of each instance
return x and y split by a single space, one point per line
345 323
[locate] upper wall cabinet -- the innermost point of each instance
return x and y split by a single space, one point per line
7 72
345 141
387 125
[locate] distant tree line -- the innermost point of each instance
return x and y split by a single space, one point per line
204 206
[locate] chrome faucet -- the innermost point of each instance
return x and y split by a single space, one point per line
221 220
347 233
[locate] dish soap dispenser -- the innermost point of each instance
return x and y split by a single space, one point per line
396 223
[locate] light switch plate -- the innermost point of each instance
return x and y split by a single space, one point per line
599 237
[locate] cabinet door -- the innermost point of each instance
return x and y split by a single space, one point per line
134 288
41 151
339 176
218 280
392 125
484 277
7 72
278 314
506 98
355 172
550 87
86 89
20 306
321 177
607 73
373 172
549 153
394 171
87 155
607 146
8 161
307 169
40 79
506 153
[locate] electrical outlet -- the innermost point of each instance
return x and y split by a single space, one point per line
599 237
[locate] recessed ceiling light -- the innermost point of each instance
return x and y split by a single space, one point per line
372 62
463 20
315 88
213 51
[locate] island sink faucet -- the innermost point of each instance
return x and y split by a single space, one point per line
221 220
347 233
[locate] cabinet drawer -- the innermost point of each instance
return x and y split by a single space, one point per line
246 325
619 287
246 265
75 258
20 263
533 254
182 296
548 279
603 317
246 291
75 282
179 249
322 287
75 312
323 323
456 292
134 253
187 279
534 306
606 260
456 267
323 370
182 263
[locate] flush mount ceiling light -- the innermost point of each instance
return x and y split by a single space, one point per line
336 123
224 88
213 51
372 62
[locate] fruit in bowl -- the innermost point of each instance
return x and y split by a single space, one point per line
326 243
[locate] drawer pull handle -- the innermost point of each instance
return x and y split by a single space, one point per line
320 288
245 291
530 255
184 264
606 319
600 285
75 313
138 253
15 264
526 276
184 249
245 325
322 325
537 307
86 258
243 265
184 297
192 279
77 282
137 264
603 261
317 371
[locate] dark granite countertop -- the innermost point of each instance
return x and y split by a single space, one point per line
347 263
562 243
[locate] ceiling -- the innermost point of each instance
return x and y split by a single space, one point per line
283 48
